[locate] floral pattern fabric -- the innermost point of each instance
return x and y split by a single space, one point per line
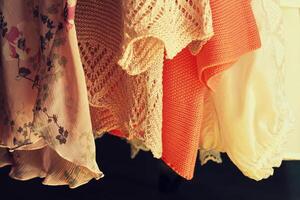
44 110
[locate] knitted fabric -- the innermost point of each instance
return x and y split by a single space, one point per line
166 24
123 62
184 92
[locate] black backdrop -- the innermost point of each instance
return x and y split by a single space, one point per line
145 178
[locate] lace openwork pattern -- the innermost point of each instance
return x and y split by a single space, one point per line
172 25
130 100
119 101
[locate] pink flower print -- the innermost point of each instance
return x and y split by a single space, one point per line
21 41
11 37
13 34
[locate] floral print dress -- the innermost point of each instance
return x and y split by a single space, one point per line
45 126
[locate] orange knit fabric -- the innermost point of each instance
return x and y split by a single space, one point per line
235 34
183 93
183 96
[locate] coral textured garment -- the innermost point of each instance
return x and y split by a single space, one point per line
123 60
45 127
186 76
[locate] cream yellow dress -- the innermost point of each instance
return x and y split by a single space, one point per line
291 19
253 122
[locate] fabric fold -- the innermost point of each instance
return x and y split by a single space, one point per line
169 25
251 103
123 66
44 104
291 23
185 93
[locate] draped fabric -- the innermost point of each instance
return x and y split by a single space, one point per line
184 89
45 127
291 23
255 125
178 78
124 64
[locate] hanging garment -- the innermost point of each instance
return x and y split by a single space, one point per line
45 128
291 22
252 113
169 25
185 80
122 45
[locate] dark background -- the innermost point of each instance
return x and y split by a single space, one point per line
146 178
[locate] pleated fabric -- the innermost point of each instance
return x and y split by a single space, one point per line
185 80
45 128
122 46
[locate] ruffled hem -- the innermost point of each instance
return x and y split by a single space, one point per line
55 170
273 157
131 60
263 168
173 26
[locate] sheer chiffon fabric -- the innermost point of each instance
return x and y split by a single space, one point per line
45 128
